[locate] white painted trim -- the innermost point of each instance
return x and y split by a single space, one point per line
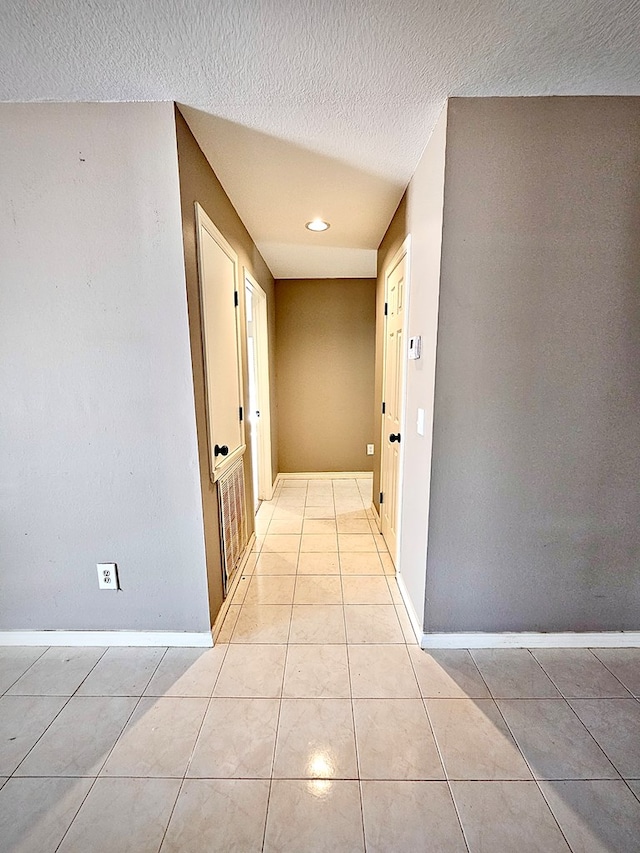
324 475
199 639
411 612
261 338
533 640
403 252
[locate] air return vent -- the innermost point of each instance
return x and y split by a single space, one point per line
233 520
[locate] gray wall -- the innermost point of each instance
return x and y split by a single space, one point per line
536 455
98 450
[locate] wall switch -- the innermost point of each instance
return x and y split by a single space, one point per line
107 575
369 449
420 422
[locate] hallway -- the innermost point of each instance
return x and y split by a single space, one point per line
317 724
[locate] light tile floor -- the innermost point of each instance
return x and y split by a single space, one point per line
317 724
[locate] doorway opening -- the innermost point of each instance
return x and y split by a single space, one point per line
259 414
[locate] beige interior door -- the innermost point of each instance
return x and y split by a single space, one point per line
218 274
393 393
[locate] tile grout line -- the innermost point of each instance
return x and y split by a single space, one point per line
284 675
193 749
13 683
440 756
636 697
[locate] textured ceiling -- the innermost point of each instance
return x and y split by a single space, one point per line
315 107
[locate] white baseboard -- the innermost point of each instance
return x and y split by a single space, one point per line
198 639
325 475
532 640
411 611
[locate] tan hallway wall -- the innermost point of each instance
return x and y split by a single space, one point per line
199 183
325 336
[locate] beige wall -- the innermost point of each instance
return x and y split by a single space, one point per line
199 183
325 333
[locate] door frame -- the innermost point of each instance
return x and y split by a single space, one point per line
261 349
403 252
203 222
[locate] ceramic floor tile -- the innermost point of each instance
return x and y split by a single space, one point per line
360 564
315 740
394 740
315 543
634 784
318 564
314 816
286 526
387 564
474 741
80 738
554 741
287 512
122 672
276 564
577 673
237 739
513 674
187 672
395 591
408 632
615 724
280 543
510 817
252 671
218 816
319 499
318 589
15 661
257 542
595 816
447 674
381 672
317 672
356 542
353 525
36 813
372 623
262 624
319 512
326 526
291 498
346 511
238 591
402 817
23 719
270 589
294 483
363 589
143 808
317 623
624 664
159 738
228 625
59 672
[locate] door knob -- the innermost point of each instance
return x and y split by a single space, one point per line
220 451
395 437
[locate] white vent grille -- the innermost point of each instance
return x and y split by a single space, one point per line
233 521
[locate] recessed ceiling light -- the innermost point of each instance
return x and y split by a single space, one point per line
317 225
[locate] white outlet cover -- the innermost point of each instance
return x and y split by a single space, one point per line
107 575
369 449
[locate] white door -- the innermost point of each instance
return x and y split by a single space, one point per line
218 273
393 395
259 414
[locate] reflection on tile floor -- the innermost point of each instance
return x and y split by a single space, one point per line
317 724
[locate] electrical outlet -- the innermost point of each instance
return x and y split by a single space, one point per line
369 449
107 575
